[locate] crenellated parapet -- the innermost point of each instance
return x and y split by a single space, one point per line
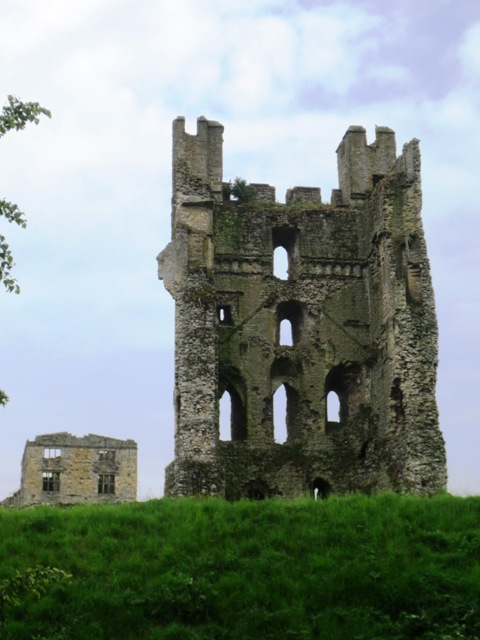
303 194
198 160
360 165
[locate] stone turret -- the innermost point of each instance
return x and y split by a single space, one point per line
360 165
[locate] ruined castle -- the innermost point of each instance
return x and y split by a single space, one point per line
357 300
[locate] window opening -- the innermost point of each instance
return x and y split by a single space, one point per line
290 322
280 263
224 315
286 333
333 407
321 488
50 452
225 417
178 407
51 481
284 243
280 415
106 484
232 419
105 456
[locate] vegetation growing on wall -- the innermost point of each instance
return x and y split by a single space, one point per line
239 190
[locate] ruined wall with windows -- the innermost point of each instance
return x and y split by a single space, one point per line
60 468
358 307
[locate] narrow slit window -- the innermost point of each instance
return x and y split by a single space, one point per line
280 263
224 315
280 415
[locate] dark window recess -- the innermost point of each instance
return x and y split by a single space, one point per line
257 490
224 314
51 481
106 484
106 456
321 488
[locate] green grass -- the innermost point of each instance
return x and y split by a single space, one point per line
353 568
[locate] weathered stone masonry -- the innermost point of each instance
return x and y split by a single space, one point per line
360 302
60 468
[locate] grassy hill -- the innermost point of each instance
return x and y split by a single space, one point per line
353 568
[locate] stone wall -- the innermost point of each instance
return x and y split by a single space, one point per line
359 302
62 469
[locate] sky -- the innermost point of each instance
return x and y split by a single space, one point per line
87 347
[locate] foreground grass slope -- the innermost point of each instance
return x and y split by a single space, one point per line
347 568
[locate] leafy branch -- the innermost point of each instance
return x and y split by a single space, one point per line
17 114
14 115
11 213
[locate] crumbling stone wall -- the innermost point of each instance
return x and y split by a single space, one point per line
360 303
60 468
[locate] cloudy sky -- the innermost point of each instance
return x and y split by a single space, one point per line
88 345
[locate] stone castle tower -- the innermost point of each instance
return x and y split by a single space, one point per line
358 298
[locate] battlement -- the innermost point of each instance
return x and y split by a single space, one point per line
198 159
360 165
264 192
303 194
198 165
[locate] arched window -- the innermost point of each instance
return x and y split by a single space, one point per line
280 415
284 244
232 421
280 263
290 323
336 398
333 407
225 417
286 414
286 333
